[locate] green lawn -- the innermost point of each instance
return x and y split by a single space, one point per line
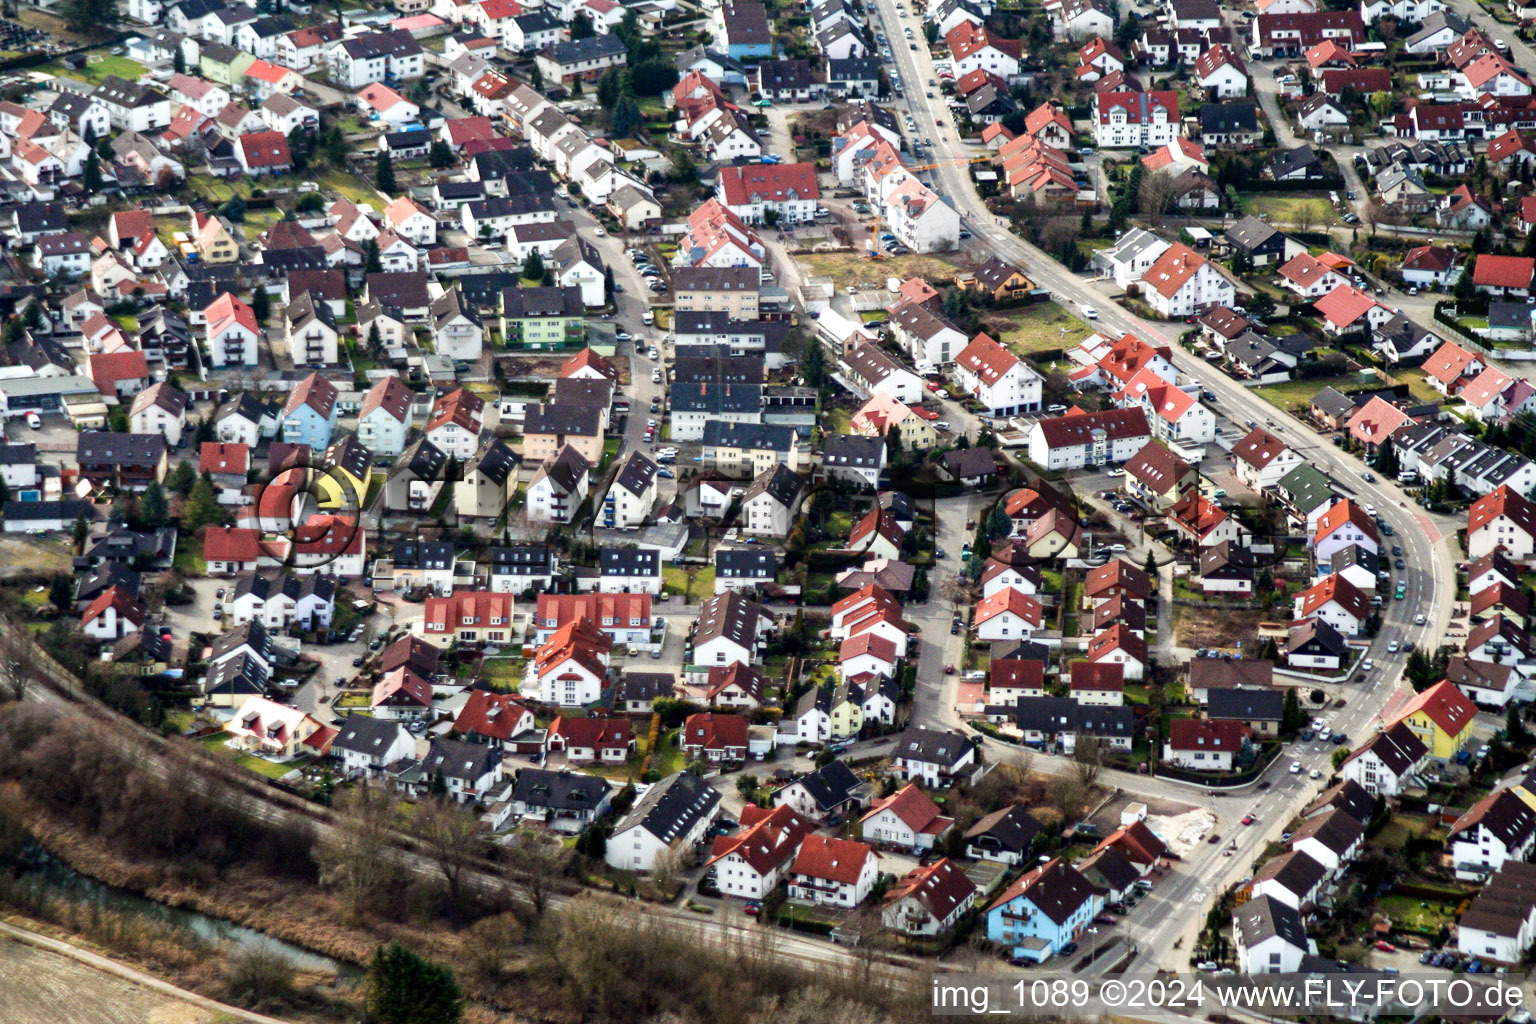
1290 209
841 420
674 580
189 556
1292 395
97 67
1043 327
259 765
668 760
610 452
1417 385
351 186
1408 912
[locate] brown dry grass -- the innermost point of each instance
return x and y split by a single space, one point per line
845 268
1216 627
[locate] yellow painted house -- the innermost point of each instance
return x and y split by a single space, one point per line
1441 717
212 240
846 713
342 480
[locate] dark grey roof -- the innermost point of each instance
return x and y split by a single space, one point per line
423 459
785 74
1334 402
1297 872
716 369
590 48
672 807
37 511
1231 116
645 685
252 633
103 447
1112 865
716 279
456 759
853 69
423 554
831 785
399 43
521 558
780 483
637 474
1509 315
729 615
365 734
1013 828
1353 555
965 463
853 450
1250 233
241 675
559 791
583 391
399 289
1348 796
716 399
629 561
753 563
1055 715
1312 635
35 217
566 468
766 436
1266 917
18 454
109 574
1289 161
521 303
497 461
1245 705
932 746
556 418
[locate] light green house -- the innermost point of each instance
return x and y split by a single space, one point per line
223 64
542 319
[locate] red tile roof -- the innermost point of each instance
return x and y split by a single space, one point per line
1336 589
1376 420
596 733
941 887
867 643
497 716
766 840
913 807
987 359
768 183
217 457
1205 734
1173 269
1102 676
1513 272
1117 573
400 687
1341 512
1448 363
709 731
1502 502
231 544
265 149
1444 704
835 860
1010 600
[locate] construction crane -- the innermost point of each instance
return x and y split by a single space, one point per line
875 252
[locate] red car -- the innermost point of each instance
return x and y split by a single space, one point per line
933 385
1248 819
1106 919
1386 947
751 909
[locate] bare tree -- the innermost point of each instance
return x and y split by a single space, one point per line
1305 216
1156 195
667 872
494 943
539 860
1066 794
865 931
352 854
453 834
1088 760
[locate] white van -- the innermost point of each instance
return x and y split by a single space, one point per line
648 318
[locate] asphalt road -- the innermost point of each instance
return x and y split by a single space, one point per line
1425 539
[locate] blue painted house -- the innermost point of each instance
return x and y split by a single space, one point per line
309 415
1042 911
747 31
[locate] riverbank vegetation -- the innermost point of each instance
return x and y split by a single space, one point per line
528 949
